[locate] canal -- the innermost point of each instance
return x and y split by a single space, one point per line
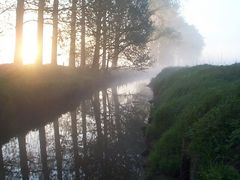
101 138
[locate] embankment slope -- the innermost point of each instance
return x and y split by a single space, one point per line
194 130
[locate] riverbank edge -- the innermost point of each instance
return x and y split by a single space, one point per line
178 158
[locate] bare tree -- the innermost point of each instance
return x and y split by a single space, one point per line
2 173
83 34
73 34
42 139
23 157
75 144
97 116
104 36
113 28
98 13
117 111
58 149
41 4
55 32
19 32
84 128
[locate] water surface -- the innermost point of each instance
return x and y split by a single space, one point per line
100 139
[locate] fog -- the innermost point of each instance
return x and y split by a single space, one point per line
177 43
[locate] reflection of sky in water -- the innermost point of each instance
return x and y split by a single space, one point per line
119 148
132 88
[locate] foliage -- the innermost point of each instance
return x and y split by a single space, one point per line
196 114
219 172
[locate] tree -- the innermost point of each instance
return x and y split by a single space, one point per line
58 149
75 143
178 43
73 34
97 116
117 111
105 26
19 32
55 32
2 173
41 4
84 127
83 34
118 14
43 146
105 119
5 9
115 26
23 157
98 13
134 30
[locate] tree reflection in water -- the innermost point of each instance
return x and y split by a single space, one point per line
100 139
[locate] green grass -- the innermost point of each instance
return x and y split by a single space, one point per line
196 114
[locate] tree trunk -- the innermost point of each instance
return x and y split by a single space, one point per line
116 50
96 109
83 34
18 59
105 130
99 147
2 173
96 55
104 46
84 124
55 32
75 144
105 119
23 157
110 117
84 139
42 139
117 112
41 4
58 149
117 36
73 34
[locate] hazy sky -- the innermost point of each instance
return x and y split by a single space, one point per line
217 20
219 23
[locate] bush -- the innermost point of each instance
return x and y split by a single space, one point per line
166 156
219 172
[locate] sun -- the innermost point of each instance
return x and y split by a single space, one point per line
29 43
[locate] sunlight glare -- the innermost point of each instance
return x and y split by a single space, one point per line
29 43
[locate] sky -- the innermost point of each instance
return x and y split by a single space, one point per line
218 21
219 24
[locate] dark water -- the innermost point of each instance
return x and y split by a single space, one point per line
100 139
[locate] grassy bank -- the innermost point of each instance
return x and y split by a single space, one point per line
194 129
30 94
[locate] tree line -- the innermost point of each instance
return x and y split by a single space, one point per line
99 33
